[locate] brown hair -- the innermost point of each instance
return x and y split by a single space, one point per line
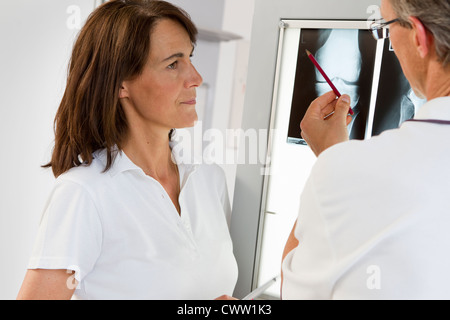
112 46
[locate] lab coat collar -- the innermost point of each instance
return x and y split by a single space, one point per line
438 108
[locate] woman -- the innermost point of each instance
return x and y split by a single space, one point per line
124 221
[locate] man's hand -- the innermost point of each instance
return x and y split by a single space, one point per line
321 132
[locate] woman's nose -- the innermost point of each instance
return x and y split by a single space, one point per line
194 78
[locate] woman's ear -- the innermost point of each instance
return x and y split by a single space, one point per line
123 92
422 39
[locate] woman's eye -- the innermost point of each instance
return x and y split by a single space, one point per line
173 65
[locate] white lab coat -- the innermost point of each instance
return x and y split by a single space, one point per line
374 218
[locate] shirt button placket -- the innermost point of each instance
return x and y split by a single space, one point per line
188 231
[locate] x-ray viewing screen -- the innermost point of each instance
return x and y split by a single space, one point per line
395 100
358 65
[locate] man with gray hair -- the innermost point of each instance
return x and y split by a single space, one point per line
374 215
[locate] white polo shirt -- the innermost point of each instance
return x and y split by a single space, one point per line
123 236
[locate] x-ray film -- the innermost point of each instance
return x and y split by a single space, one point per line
358 65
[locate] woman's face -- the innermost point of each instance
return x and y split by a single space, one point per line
164 95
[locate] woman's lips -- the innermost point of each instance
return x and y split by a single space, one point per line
190 102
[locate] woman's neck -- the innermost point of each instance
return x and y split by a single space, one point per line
151 152
153 155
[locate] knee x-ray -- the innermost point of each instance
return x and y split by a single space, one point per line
396 102
358 65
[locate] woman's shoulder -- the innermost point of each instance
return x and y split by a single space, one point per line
86 174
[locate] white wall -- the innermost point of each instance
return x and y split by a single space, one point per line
35 44
232 78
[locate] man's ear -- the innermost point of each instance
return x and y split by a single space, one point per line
422 38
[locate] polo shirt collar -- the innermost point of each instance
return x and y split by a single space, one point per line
122 163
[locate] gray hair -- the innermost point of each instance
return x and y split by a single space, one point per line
435 15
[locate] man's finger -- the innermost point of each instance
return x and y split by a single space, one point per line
328 111
324 100
317 107
343 106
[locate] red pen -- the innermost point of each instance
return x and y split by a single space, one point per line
336 92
